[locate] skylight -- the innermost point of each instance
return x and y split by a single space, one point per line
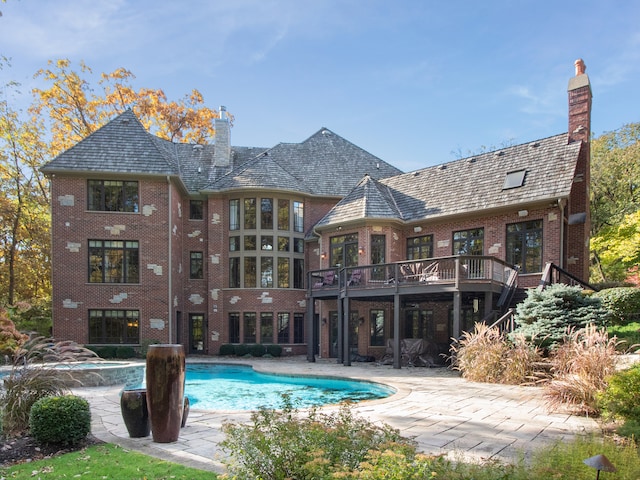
514 179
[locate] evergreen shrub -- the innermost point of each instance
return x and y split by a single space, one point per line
242 350
227 349
63 420
274 350
125 352
545 316
257 350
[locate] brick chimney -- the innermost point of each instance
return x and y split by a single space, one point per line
576 256
579 105
222 152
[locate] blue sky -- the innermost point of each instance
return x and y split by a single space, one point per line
415 82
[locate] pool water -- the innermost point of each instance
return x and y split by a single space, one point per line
239 387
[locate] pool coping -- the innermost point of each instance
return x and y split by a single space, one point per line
442 412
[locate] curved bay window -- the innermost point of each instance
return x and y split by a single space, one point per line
266 243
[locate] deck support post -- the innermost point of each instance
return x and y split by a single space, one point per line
397 359
340 329
346 341
457 304
312 330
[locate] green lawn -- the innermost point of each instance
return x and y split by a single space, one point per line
630 333
106 461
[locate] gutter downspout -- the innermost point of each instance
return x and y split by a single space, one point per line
561 203
170 290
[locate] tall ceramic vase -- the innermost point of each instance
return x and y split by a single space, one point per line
165 390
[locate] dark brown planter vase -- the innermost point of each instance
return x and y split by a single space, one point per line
165 390
133 405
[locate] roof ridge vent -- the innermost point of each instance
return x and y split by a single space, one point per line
534 145
472 160
499 153
442 167
197 146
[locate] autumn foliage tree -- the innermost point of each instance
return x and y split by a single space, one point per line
75 110
70 107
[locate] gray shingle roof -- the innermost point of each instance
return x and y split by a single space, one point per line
467 185
325 164
120 146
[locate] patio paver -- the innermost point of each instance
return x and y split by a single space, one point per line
444 413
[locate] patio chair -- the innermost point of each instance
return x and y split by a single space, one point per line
356 276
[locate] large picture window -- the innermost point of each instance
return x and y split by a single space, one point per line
524 246
113 261
114 326
112 195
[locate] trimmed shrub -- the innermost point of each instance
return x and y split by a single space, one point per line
274 350
125 352
257 350
62 420
227 349
544 316
242 350
29 380
621 398
623 303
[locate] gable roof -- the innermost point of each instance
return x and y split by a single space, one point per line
468 185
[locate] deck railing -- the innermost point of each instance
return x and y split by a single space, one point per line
443 270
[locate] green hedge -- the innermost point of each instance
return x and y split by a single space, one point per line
622 302
62 420
254 349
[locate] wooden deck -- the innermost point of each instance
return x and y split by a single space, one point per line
435 275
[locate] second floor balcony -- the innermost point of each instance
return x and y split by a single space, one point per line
432 275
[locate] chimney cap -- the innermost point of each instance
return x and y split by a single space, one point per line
580 67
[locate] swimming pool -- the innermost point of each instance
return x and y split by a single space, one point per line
217 386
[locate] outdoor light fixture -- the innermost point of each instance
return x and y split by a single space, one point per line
361 250
600 463
323 255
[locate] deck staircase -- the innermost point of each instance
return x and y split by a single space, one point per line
511 296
